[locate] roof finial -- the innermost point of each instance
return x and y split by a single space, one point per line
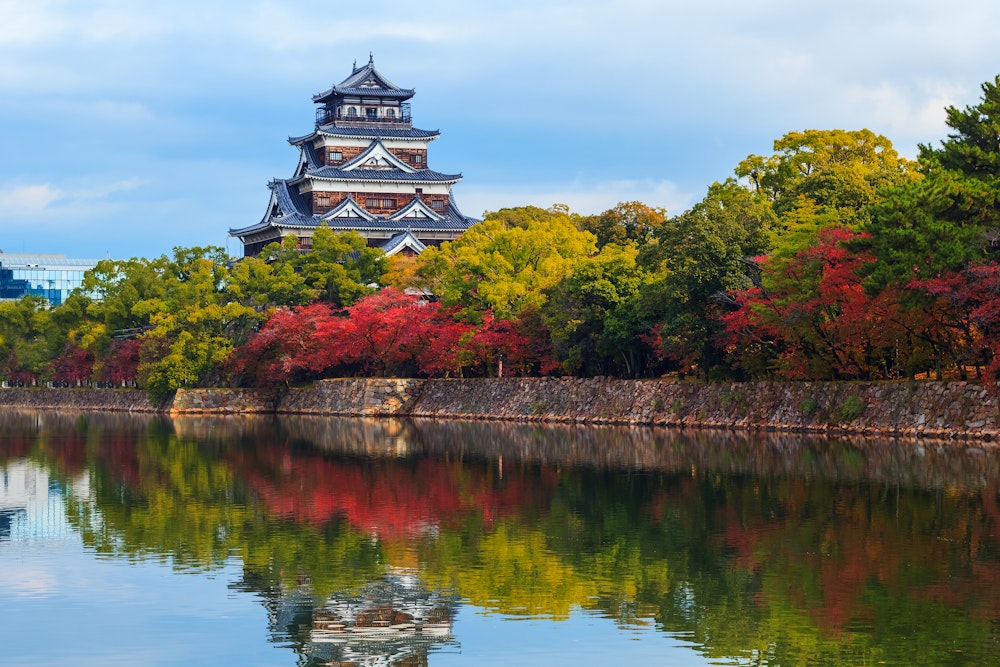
354 65
371 58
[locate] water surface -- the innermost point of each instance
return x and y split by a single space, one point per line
316 541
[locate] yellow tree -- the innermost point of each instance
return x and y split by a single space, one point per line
505 267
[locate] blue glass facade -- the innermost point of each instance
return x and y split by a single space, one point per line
52 277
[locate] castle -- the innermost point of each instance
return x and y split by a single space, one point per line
364 168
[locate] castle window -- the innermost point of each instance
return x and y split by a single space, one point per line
370 113
352 112
418 159
390 113
336 156
373 202
437 204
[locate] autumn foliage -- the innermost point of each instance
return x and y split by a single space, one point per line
388 333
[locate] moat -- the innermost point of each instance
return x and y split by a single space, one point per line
319 540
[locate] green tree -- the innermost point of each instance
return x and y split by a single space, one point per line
27 342
695 259
340 267
818 179
591 314
951 217
194 325
263 285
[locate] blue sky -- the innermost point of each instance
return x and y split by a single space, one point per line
130 127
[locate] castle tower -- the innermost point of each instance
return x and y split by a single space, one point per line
363 168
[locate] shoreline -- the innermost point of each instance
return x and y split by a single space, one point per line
927 410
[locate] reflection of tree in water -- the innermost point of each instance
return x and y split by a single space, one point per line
808 547
391 621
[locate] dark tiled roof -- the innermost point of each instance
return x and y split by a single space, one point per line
373 147
367 91
353 85
367 133
401 239
384 224
418 204
349 202
289 200
455 213
313 160
293 214
293 211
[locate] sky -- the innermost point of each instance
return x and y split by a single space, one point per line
130 127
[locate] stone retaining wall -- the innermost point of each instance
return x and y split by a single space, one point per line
82 398
925 409
353 396
942 410
223 401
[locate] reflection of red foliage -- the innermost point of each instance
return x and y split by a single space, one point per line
851 549
387 497
68 453
118 452
15 446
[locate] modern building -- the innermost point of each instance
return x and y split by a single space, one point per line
364 167
52 277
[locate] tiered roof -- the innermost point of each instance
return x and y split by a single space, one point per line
376 164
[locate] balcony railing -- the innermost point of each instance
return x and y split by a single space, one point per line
340 117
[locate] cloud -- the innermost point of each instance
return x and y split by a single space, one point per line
27 200
45 201
636 100
583 198
903 115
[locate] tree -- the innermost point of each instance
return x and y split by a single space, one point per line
295 344
74 366
627 223
384 330
120 366
27 343
504 347
592 317
839 171
339 268
693 261
504 268
262 285
949 219
193 326
814 320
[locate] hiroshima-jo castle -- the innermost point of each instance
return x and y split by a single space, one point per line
363 168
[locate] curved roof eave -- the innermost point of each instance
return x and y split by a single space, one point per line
367 176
